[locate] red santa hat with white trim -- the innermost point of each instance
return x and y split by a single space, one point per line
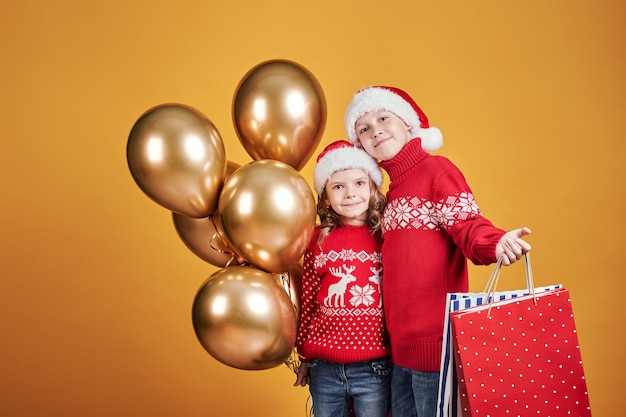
341 155
399 103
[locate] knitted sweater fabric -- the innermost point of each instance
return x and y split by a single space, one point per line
341 317
431 226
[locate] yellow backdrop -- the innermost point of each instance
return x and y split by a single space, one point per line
96 286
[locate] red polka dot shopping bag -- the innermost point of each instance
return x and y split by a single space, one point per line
449 398
520 357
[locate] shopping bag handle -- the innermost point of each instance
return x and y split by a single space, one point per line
492 283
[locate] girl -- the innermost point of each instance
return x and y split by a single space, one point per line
342 335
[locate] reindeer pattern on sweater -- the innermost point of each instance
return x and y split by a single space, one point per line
341 310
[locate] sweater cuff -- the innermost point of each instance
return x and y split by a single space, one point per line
485 251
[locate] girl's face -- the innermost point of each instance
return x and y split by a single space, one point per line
348 193
382 134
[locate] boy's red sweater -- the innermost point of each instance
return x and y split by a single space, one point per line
431 225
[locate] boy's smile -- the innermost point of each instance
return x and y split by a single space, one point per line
382 134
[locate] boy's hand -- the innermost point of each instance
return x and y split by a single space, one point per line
511 246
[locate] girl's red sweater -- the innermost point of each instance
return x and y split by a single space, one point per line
341 317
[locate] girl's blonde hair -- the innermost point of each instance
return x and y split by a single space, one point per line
329 219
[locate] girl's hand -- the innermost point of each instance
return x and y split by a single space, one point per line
303 375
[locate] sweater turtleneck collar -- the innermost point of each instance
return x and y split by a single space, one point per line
408 157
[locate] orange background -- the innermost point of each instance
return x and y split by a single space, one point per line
96 286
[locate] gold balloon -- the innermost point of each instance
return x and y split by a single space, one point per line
244 319
292 283
230 168
177 157
201 237
266 212
279 112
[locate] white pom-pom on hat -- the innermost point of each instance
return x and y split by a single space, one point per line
399 103
341 155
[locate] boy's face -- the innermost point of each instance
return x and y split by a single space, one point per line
382 134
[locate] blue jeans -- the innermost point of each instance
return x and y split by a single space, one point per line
335 386
413 393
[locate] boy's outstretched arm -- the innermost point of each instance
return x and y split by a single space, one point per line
511 246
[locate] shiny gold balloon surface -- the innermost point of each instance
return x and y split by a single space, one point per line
201 237
292 283
177 157
279 112
245 319
267 212
230 168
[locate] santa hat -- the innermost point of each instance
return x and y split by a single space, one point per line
399 103
342 155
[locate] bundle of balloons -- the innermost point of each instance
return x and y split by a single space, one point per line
252 221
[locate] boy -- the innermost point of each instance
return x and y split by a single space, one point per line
431 226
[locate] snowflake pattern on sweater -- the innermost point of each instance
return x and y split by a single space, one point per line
420 213
341 310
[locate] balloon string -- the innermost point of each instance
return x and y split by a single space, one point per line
215 248
294 361
286 281
226 252
308 407
232 258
